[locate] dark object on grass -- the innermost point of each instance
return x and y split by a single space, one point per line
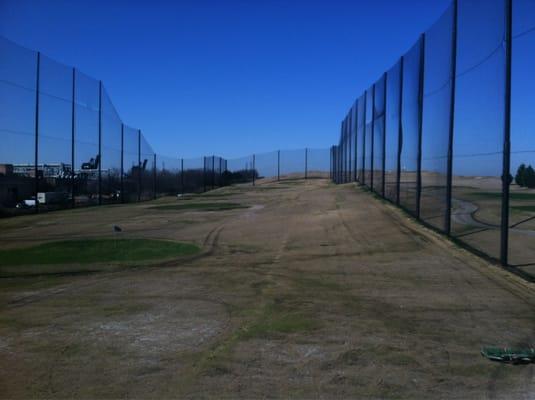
509 355
117 228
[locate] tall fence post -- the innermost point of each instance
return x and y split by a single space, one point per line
400 130
306 163
349 147
36 154
139 171
220 172
504 247
355 166
213 172
182 175
451 127
254 168
383 189
372 166
420 126
154 177
363 156
278 165
73 114
204 173
340 154
122 163
330 162
99 143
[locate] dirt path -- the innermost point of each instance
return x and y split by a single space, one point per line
313 291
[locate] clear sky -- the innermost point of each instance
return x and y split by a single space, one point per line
225 77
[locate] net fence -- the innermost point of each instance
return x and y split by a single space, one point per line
448 131
64 145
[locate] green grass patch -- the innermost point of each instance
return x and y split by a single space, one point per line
498 195
524 208
95 251
276 320
200 206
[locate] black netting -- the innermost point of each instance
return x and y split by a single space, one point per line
317 163
354 141
361 137
522 190
436 120
408 196
110 151
193 175
147 170
479 125
293 163
55 135
240 170
267 165
379 135
368 140
18 68
168 176
86 143
344 150
349 134
392 131
131 175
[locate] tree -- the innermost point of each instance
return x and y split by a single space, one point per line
529 177
520 175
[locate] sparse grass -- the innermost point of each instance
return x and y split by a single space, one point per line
200 207
95 251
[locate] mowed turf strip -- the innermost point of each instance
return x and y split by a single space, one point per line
95 251
200 206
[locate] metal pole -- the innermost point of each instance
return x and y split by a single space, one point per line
330 162
122 163
220 171
420 126
99 143
504 248
182 175
364 139
341 153
254 168
372 137
383 189
139 165
73 113
355 165
347 148
154 177
278 165
204 173
213 172
453 73
36 159
400 130
306 163
348 129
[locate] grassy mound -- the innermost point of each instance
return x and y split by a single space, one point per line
95 251
199 206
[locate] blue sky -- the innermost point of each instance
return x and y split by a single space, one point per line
225 77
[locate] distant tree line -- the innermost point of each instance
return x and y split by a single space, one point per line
525 176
